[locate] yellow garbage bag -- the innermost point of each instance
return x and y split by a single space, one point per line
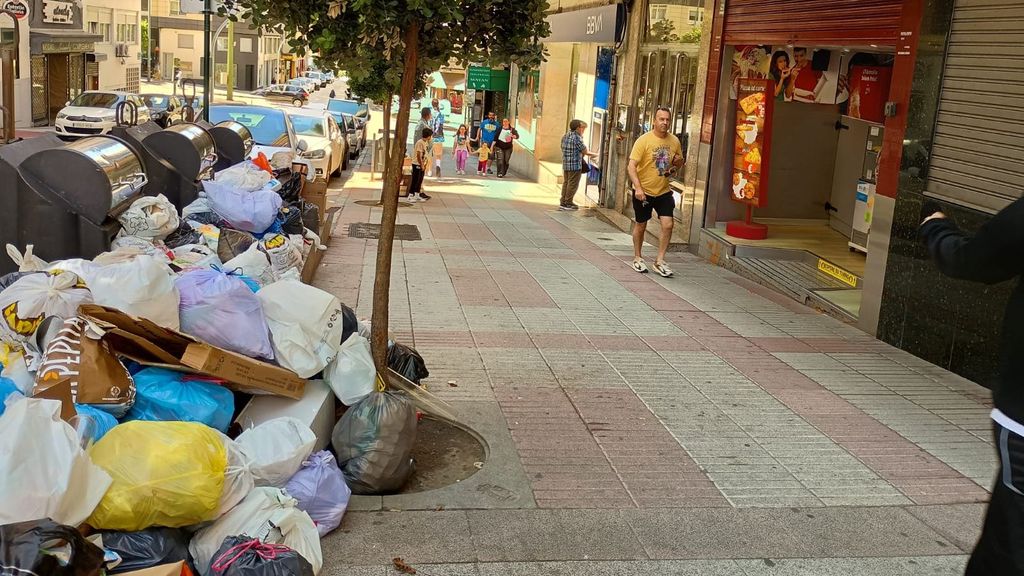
165 474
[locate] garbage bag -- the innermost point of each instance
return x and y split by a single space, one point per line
253 263
290 218
26 262
311 216
195 257
266 514
149 217
54 477
407 361
165 474
306 337
250 211
238 478
103 422
245 556
84 269
134 244
142 286
221 309
349 323
374 441
284 254
232 243
352 375
15 368
42 547
184 234
7 387
8 279
243 176
276 449
167 396
32 298
319 486
291 186
146 548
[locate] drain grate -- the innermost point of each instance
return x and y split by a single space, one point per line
367 230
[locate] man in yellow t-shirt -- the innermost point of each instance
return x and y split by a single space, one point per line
655 158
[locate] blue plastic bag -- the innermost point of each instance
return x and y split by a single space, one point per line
249 211
320 488
104 421
7 388
167 396
222 310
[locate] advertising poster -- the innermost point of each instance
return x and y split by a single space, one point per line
808 75
754 105
869 89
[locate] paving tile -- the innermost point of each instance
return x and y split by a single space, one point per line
539 535
960 523
366 538
917 566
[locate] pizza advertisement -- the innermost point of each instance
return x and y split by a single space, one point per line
754 106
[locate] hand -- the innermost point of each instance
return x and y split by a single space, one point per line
786 72
678 160
931 209
639 195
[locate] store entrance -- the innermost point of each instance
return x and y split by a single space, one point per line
808 164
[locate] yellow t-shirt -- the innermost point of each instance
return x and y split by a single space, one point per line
424 147
653 156
483 153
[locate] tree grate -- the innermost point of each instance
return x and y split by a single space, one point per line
369 231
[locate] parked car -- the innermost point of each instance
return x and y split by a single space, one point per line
354 134
95 112
327 149
271 128
319 77
360 109
163 109
307 84
284 93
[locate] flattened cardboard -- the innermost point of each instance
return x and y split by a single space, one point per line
316 192
315 256
60 391
152 345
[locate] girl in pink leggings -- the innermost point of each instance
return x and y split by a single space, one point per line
460 149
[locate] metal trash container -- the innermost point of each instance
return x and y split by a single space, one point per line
164 177
234 143
188 147
64 199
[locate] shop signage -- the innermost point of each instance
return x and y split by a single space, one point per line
66 47
836 272
483 78
16 7
598 25
58 12
754 104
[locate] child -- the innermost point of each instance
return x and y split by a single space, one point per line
460 149
483 153
420 161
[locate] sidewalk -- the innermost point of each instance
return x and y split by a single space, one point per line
697 425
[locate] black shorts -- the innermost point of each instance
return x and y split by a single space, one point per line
664 205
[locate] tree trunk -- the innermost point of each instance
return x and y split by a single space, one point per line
387 137
389 198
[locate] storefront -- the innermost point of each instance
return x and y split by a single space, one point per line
809 104
486 91
62 55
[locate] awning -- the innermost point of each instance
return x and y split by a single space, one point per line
57 41
437 81
454 80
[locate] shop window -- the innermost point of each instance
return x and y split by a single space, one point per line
186 41
675 21
668 80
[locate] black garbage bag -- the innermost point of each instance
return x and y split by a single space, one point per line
24 550
291 186
374 441
290 218
407 361
147 548
245 556
232 243
311 216
185 234
349 322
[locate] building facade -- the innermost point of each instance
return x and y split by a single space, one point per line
117 62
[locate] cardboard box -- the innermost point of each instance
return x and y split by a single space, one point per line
150 344
176 569
315 408
316 192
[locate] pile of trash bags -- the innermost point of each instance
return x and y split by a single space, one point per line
115 463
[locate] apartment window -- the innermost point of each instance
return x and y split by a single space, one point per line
145 5
186 41
245 45
659 12
127 29
99 22
696 16
175 7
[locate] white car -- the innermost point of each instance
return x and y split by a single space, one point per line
326 147
95 112
271 130
307 84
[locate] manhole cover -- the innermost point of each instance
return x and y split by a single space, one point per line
372 231
444 454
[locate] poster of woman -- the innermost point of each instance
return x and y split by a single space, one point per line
801 74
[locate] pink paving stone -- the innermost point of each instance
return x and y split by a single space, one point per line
615 343
697 323
521 289
839 346
503 340
444 339
576 341
475 287
728 344
477 232
673 344
781 344
446 231
773 296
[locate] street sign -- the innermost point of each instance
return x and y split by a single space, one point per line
482 78
16 7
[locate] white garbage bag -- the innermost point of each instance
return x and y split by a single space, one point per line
243 176
250 211
46 472
238 478
352 375
276 449
149 217
253 263
33 297
142 286
267 514
305 325
26 262
285 254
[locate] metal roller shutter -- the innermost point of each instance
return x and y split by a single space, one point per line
977 157
814 22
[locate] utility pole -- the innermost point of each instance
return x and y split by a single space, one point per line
231 60
207 59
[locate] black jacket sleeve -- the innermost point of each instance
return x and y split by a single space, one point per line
995 254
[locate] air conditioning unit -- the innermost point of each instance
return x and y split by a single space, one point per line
121 50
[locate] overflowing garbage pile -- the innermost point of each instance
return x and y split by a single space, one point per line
169 407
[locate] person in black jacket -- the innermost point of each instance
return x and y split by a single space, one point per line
992 256
504 140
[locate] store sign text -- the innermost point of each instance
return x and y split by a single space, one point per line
837 272
595 24
67 47
16 7
57 12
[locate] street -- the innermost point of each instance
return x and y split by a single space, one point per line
617 441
